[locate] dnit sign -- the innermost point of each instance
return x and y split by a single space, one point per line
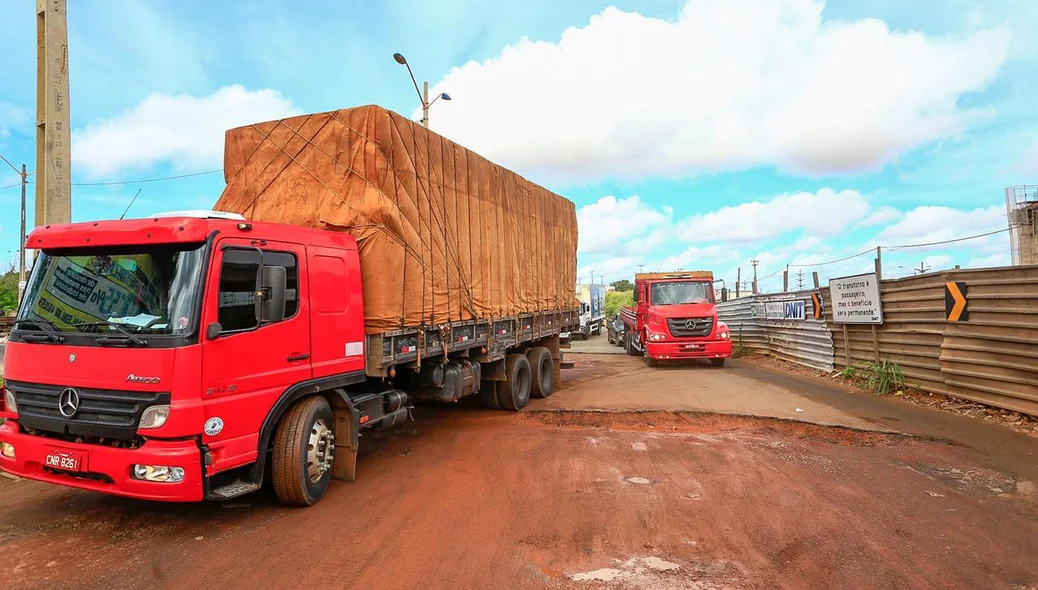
793 310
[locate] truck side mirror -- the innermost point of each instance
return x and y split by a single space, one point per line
212 331
273 285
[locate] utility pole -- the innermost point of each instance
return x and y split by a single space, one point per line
738 279
800 280
879 263
754 263
785 279
21 240
640 267
592 277
53 139
923 269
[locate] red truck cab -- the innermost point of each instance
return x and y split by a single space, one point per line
155 358
675 317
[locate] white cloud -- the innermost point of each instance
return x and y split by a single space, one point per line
882 216
998 259
723 86
929 224
937 262
823 213
609 222
12 115
184 130
1030 160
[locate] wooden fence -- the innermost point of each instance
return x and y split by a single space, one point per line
991 358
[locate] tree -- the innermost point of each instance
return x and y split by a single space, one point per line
8 293
622 285
615 300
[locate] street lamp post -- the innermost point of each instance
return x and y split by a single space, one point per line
423 94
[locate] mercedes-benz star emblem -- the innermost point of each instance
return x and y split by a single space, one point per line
690 324
68 402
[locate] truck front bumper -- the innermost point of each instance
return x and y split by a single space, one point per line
698 349
106 469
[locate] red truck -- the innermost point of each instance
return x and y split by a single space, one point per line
190 356
674 317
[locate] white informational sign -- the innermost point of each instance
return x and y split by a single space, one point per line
793 310
775 310
855 300
757 310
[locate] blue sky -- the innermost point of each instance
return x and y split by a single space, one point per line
690 134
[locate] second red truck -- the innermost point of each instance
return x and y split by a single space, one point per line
674 317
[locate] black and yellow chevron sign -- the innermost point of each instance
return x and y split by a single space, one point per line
816 302
956 306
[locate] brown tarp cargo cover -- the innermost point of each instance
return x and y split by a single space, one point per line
444 234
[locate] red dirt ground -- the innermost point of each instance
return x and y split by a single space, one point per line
465 498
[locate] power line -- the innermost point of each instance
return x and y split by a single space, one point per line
118 182
990 233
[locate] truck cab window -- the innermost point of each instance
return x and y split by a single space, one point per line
237 299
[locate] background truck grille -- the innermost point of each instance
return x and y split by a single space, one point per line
102 412
679 329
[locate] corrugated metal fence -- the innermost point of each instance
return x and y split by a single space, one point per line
807 342
992 358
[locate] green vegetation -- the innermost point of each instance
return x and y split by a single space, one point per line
884 377
849 373
622 285
8 293
614 300
738 349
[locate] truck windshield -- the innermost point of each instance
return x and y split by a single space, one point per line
678 293
140 289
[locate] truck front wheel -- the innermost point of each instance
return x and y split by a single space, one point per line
514 392
629 343
542 370
304 443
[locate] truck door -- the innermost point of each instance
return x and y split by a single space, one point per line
247 365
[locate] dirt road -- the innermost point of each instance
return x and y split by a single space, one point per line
467 498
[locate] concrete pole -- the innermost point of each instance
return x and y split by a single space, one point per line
879 263
738 279
53 138
425 104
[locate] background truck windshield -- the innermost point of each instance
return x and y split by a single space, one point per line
678 293
146 289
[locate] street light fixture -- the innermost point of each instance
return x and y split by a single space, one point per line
423 94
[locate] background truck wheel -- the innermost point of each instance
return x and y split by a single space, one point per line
629 344
717 362
514 392
651 362
304 444
542 370
488 394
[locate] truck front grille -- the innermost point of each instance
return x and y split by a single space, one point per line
681 328
104 413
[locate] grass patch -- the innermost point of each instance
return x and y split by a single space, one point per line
884 377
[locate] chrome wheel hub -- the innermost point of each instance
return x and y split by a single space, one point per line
320 450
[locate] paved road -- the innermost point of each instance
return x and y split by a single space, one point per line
556 498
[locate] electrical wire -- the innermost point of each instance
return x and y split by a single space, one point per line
118 182
953 240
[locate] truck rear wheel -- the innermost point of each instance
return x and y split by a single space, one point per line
542 370
304 444
514 392
629 343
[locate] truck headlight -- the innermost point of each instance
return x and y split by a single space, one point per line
158 473
7 450
654 337
723 335
10 405
154 417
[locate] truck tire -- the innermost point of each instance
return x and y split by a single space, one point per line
302 440
651 362
514 392
629 343
542 370
488 394
717 362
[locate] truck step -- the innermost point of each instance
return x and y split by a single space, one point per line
232 490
